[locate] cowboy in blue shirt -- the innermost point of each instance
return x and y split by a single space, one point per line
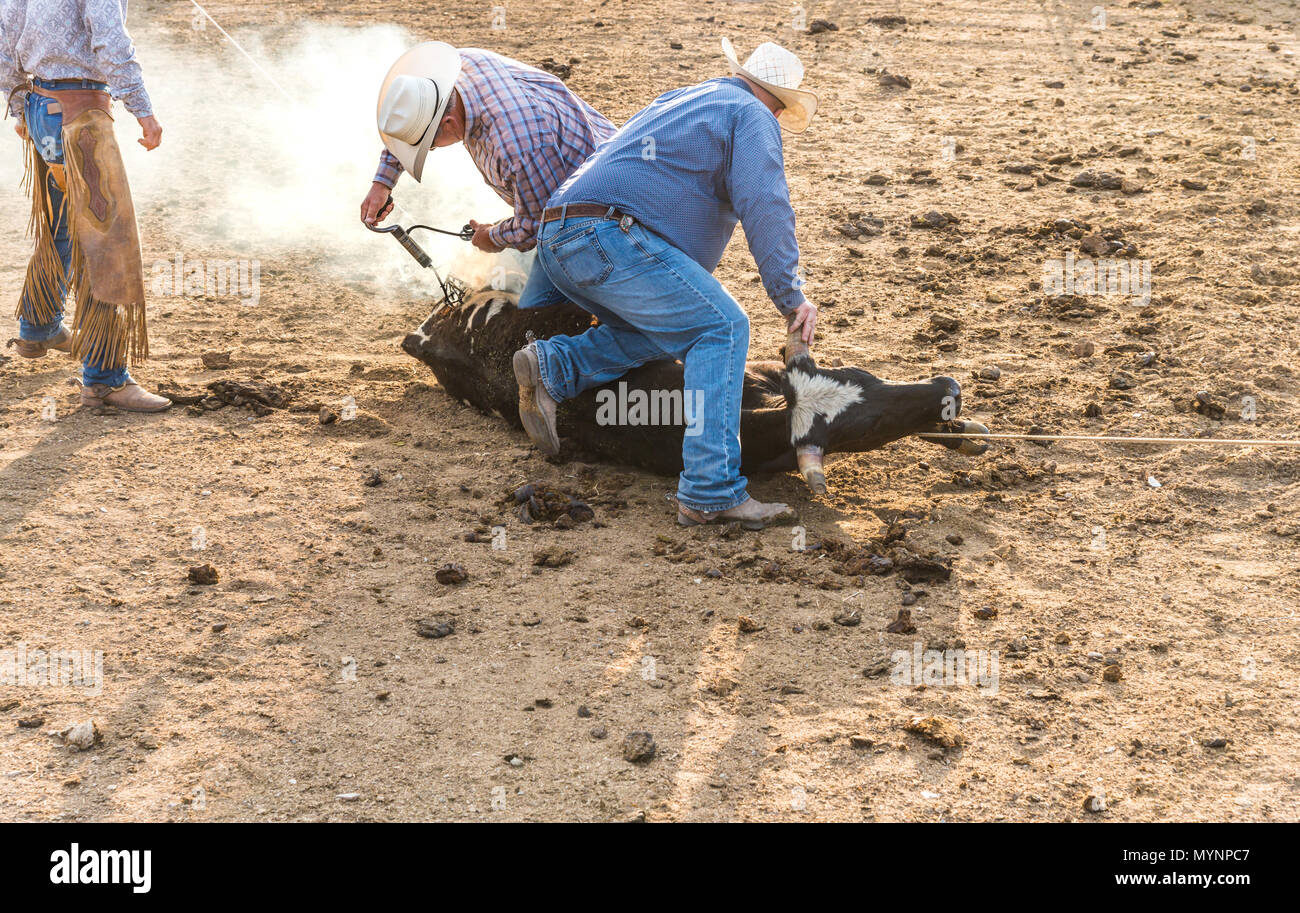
634 235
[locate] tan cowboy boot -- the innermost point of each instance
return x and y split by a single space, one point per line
536 406
130 397
751 514
28 348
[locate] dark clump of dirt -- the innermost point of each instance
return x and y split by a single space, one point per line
259 398
203 574
451 574
543 504
434 629
876 559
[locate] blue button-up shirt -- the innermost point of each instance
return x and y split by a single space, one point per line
693 164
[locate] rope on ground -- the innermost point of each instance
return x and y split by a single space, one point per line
1122 439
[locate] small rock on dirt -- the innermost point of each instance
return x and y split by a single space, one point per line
553 556
1207 406
82 736
203 574
451 574
943 731
848 618
878 666
1095 245
902 624
562 70
434 629
638 747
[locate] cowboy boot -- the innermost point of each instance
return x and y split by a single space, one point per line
536 406
30 348
130 397
751 514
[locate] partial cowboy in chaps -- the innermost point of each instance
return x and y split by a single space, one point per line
107 269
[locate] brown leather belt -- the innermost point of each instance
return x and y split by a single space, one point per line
585 211
75 102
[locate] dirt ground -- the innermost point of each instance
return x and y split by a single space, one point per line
299 685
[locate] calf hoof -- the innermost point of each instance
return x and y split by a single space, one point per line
811 468
971 446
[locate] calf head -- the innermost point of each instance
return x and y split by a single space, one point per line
851 410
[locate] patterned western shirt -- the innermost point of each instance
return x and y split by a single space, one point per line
70 39
525 131
693 164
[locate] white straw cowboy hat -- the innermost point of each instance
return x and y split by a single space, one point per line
780 72
414 99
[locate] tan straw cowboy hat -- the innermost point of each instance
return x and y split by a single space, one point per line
414 99
780 72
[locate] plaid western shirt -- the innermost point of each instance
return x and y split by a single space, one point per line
525 131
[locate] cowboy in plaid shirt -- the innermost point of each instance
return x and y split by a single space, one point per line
523 127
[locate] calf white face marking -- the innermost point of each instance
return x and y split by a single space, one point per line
816 394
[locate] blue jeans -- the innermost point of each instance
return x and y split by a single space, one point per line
46 131
540 291
654 303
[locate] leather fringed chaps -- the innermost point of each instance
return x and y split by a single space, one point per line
43 291
107 267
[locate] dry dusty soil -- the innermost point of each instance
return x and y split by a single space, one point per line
1139 600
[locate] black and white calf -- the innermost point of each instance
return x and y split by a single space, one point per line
792 413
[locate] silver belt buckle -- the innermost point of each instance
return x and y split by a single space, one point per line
625 224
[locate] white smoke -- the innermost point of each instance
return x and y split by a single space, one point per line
246 172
